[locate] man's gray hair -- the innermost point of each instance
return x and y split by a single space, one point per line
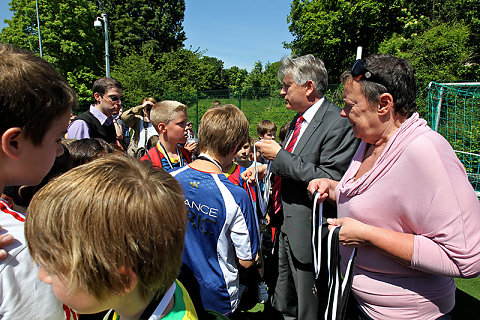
303 69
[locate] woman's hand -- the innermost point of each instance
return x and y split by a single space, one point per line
325 187
397 245
353 232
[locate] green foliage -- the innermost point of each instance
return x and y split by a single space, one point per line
422 31
235 77
68 42
441 53
138 24
140 32
332 30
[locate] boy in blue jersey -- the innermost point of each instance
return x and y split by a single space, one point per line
221 228
169 119
35 104
109 235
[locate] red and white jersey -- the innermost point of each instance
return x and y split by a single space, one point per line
22 294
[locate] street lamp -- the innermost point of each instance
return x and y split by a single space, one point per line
38 27
98 24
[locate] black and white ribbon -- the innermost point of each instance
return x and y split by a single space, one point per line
338 286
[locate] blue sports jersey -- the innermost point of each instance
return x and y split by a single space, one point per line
221 226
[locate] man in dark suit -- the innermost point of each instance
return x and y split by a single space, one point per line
319 143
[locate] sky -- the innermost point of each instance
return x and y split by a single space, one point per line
237 32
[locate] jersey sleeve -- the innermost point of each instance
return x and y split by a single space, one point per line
244 229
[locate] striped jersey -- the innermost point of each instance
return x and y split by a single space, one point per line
221 227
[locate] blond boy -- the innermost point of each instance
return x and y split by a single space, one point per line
109 235
221 226
169 119
35 103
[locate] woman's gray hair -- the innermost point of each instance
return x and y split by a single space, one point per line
303 69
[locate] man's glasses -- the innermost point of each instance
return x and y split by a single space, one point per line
360 72
114 98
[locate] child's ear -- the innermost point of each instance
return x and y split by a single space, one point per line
161 128
11 141
129 279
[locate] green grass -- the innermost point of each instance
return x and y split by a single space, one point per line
467 299
469 286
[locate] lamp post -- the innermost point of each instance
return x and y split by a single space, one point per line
38 28
98 24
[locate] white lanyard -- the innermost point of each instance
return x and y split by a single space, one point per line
165 153
262 196
317 245
167 297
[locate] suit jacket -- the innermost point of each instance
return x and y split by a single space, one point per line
324 150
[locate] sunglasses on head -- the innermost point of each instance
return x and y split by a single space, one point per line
114 98
360 72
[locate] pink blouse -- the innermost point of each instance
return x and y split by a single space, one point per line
417 186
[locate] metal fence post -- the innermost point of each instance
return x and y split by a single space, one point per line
240 98
196 113
439 109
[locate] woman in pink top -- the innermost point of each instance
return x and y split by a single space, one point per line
405 201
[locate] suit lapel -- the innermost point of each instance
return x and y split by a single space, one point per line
312 127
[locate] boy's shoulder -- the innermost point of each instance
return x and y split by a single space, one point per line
27 298
12 222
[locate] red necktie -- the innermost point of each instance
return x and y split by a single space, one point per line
277 181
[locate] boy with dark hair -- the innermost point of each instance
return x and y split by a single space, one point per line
244 156
97 122
221 225
132 268
267 130
169 119
35 103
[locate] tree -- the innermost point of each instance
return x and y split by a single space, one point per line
255 77
138 24
69 40
332 29
215 72
442 53
270 75
235 77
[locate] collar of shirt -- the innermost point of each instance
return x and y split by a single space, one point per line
310 113
307 118
104 120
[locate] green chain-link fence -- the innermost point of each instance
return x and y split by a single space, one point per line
453 110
